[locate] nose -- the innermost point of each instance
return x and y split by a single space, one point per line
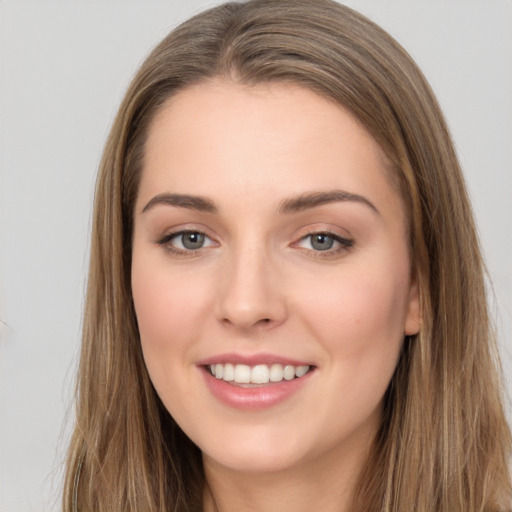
251 296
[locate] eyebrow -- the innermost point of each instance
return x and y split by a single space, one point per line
314 199
291 205
190 202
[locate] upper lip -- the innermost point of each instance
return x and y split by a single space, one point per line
251 359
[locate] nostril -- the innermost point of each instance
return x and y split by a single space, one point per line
261 322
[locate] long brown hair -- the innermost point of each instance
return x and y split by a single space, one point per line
444 443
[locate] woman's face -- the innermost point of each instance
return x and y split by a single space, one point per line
270 274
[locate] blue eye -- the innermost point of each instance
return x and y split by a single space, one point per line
186 241
321 242
191 240
324 242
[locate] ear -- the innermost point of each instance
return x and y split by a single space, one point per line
413 316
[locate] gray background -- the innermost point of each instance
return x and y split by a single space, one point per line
63 68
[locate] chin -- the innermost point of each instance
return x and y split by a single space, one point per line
260 449
253 460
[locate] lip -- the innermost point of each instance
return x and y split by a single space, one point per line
257 397
251 360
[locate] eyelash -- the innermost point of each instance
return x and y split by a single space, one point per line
166 239
345 244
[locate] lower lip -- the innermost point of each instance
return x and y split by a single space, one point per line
253 398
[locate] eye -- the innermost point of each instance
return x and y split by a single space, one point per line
190 240
321 241
186 241
324 242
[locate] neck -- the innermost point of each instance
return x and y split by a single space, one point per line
325 484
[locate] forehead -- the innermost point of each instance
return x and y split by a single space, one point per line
223 136
223 101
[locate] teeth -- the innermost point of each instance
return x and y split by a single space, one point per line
229 372
242 374
300 371
259 374
289 372
276 373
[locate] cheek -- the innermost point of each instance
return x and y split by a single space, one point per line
359 304
169 315
358 316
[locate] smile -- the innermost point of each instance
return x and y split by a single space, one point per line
257 382
258 374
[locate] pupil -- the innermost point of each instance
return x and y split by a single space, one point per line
192 240
322 242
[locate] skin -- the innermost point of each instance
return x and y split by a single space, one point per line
258 285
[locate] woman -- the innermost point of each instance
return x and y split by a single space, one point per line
286 304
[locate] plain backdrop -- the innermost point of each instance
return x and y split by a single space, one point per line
64 66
